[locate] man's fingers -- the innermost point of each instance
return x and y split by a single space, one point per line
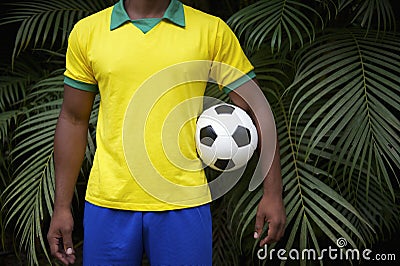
260 220
54 243
62 249
275 232
69 251
65 253
67 247
67 242
60 236
56 250
70 258
65 259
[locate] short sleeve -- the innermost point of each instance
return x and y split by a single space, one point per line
231 68
78 73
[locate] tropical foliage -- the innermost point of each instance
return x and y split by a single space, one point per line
329 69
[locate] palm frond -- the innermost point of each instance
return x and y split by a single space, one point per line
309 196
275 20
349 83
46 90
15 81
12 90
331 7
29 197
224 247
273 74
311 205
371 14
43 22
6 119
378 208
4 177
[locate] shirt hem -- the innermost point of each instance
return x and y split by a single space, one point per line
147 207
239 82
76 84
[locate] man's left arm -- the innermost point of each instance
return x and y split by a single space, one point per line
270 208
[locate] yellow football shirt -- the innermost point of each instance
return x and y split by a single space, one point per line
151 80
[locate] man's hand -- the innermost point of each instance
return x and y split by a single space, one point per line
270 210
60 236
69 150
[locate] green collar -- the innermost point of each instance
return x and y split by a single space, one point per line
174 13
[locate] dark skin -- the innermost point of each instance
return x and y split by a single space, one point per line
69 148
138 9
270 208
71 139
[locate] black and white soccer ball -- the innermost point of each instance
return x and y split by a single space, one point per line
225 137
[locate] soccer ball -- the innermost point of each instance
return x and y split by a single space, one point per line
225 137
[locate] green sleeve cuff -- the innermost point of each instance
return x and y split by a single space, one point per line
80 85
239 82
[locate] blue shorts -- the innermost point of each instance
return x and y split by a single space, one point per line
117 237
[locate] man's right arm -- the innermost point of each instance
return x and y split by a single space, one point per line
69 148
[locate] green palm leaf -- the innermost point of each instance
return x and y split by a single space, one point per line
371 13
351 84
275 20
272 73
15 81
331 7
224 247
378 208
29 197
43 22
304 183
312 206
11 90
6 119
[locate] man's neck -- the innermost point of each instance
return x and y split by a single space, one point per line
138 9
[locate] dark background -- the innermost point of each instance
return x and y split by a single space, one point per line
7 35
9 31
